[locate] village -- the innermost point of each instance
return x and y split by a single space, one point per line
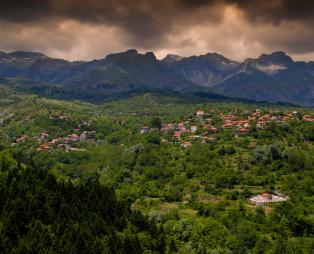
203 126
47 142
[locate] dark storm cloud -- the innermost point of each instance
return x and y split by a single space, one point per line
159 24
276 10
144 10
99 10
144 21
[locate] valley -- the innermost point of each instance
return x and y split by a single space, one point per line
196 184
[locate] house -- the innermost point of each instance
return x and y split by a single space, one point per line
186 144
83 135
87 123
44 135
213 129
261 199
21 139
74 137
308 118
200 113
242 130
177 135
145 129
227 125
76 149
66 140
286 118
246 125
167 127
194 137
64 117
206 139
193 128
44 147
91 134
228 117
181 126
53 142
63 146
260 124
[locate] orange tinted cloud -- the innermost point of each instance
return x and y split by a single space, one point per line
77 29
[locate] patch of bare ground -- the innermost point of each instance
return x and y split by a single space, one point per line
204 198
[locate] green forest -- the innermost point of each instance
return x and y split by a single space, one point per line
154 174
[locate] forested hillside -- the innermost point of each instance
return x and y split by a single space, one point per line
154 174
41 215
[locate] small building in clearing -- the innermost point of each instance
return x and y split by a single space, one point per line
144 129
186 144
261 199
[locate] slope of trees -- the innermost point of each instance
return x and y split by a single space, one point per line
41 215
194 200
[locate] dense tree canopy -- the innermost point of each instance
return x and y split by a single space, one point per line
41 215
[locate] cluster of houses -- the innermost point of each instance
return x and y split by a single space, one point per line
60 117
256 118
201 123
21 139
46 141
60 142
262 199
308 118
64 117
63 142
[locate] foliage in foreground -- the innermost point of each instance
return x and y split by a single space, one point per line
41 215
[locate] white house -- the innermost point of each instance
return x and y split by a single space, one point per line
144 129
261 199
193 128
186 144
200 113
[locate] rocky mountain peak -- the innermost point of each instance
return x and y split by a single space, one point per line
278 57
171 58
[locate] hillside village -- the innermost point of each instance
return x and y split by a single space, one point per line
203 126
46 141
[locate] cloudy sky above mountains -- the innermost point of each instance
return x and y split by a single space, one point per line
84 30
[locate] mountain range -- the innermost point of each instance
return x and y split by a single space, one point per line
274 77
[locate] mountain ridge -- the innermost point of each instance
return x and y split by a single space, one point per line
273 77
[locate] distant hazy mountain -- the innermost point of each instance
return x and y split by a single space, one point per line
171 58
206 70
272 77
115 74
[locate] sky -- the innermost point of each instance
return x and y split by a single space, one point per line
91 29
